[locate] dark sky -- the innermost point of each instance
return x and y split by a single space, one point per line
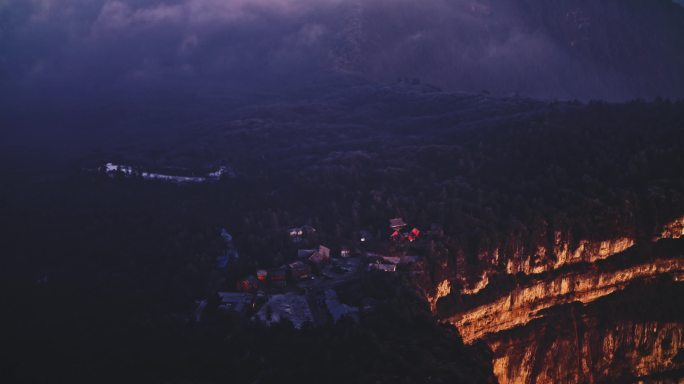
505 47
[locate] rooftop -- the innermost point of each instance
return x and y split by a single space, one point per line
285 306
397 223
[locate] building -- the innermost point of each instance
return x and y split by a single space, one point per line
305 253
397 223
248 284
345 252
298 233
299 270
385 263
288 306
347 265
382 267
392 259
277 277
235 301
411 236
262 275
322 255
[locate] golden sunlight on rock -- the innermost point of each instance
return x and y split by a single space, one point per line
525 303
443 289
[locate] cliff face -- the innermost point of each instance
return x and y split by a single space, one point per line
523 304
560 254
551 324
541 258
583 349
556 254
544 258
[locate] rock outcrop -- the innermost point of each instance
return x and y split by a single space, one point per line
555 255
524 304
672 230
548 323
606 341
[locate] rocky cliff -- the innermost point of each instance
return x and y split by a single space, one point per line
533 260
525 303
633 337
547 315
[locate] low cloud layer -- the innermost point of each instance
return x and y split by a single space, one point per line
113 40
527 47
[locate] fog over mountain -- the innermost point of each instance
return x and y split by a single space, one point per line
563 49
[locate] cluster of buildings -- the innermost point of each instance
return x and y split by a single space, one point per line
400 234
303 268
304 290
298 234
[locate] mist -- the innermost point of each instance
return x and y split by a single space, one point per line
85 49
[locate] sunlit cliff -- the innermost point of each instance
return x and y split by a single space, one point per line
526 303
555 321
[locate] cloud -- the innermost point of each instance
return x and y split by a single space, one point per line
468 45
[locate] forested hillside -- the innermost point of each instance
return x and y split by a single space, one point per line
474 172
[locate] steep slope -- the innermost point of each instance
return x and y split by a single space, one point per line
634 336
526 303
617 316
